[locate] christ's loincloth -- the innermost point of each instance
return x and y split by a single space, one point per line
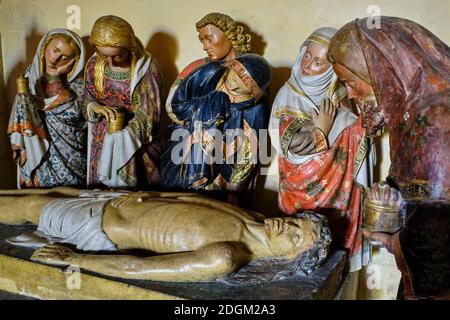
77 221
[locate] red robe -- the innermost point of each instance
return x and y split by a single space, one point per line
326 184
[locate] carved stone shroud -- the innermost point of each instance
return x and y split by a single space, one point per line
20 276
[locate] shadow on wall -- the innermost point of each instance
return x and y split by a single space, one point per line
164 48
279 77
8 167
266 198
3 107
258 43
32 42
90 50
5 162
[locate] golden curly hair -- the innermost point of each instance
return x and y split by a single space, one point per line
240 40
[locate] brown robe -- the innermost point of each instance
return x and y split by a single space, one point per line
409 68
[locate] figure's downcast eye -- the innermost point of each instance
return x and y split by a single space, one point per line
349 83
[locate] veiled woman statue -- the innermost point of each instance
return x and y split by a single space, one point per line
322 147
123 105
46 126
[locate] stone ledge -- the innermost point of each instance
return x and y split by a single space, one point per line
43 282
19 275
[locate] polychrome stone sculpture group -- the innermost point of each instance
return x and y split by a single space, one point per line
96 174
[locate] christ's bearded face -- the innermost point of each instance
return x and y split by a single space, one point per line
289 237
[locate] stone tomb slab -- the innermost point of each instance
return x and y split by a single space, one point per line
21 276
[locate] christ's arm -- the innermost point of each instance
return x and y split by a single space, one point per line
207 263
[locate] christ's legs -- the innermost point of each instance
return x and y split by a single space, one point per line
21 209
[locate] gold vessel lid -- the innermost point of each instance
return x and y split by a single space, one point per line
116 124
120 118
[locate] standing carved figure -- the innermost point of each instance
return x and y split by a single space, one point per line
123 106
400 74
324 159
47 126
224 93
